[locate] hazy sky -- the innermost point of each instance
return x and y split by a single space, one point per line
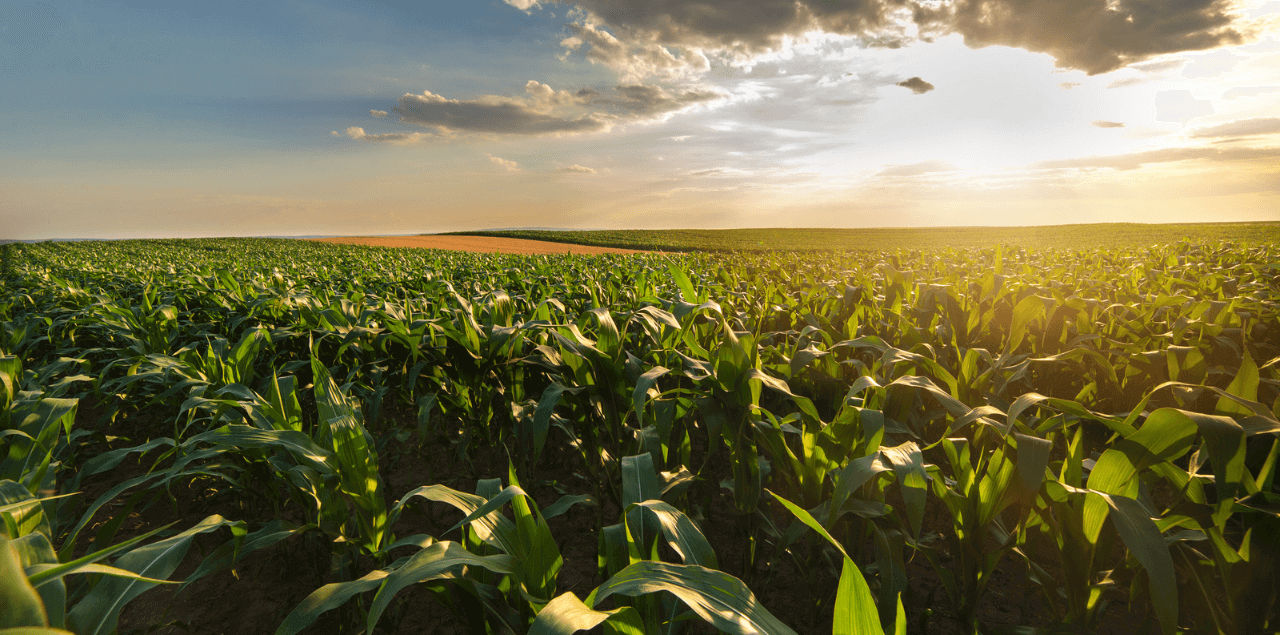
139 118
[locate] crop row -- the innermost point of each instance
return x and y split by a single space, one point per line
1101 423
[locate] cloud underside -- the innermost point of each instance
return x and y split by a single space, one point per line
917 85
1095 36
542 111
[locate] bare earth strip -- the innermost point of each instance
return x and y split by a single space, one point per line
484 244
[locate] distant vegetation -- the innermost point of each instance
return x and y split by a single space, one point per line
1108 235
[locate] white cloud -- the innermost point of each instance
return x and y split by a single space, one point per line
358 133
378 113
576 169
524 5
510 166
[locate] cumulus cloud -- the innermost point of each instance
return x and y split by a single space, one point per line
917 85
394 138
378 113
636 59
510 166
917 169
1099 123
523 5
576 169
1095 36
1242 128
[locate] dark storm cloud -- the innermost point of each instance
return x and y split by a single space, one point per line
917 85
1095 36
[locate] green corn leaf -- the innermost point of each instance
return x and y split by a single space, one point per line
564 503
1244 386
681 533
567 614
718 598
326 598
431 563
98 612
539 554
855 612
490 525
908 465
20 605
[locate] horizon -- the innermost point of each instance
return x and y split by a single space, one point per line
4 241
149 119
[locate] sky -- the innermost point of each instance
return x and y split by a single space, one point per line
172 118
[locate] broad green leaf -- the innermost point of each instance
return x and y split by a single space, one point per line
718 598
1244 386
98 612
567 614
433 562
328 597
855 611
20 605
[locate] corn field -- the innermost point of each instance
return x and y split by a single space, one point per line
856 442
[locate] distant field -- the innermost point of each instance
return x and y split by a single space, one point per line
1060 236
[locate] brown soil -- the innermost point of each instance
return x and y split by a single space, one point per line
486 244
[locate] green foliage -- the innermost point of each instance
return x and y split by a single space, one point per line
1100 420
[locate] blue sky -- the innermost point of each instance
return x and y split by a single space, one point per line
134 118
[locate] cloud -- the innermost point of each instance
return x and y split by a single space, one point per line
1168 155
1159 66
378 113
1241 128
636 59
394 138
1213 64
1069 85
917 85
917 169
1249 91
1096 36
510 166
1179 106
524 5
546 111
1127 81
1099 123
499 115
576 169
648 101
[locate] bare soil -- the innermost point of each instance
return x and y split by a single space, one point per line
486 244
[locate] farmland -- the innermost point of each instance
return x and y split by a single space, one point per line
946 436
1097 236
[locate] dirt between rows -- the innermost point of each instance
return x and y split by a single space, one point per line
487 244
